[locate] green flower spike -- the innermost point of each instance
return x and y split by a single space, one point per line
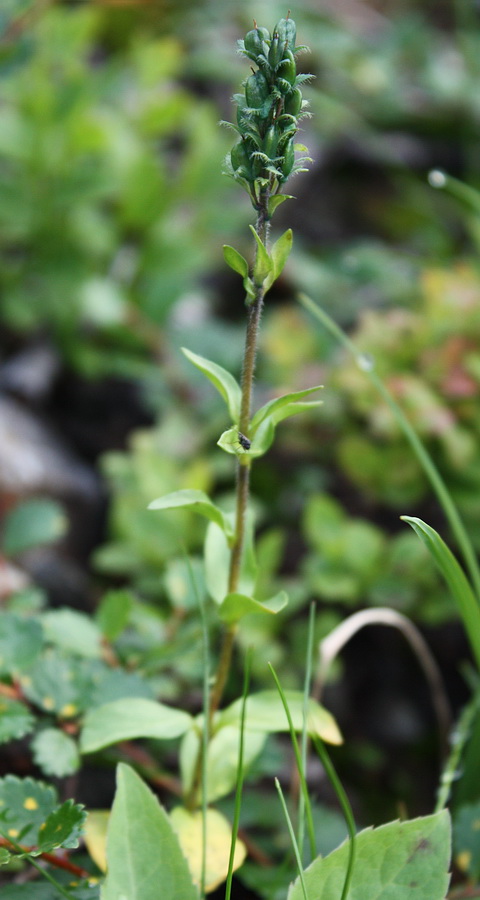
268 113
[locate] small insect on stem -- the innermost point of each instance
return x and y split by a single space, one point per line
244 441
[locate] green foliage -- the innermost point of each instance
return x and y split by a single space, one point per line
142 849
30 816
466 839
31 523
131 718
55 752
394 861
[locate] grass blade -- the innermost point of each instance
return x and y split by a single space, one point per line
345 806
304 736
301 769
293 839
238 792
455 578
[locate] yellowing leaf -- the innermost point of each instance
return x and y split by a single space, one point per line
95 835
188 827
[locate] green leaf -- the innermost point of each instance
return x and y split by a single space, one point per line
263 263
222 758
55 752
42 890
393 862
62 828
199 503
72 631
217 562
33 522
265 712
25 804
56 685
113 613
20 643
5 856
281 407
235 260
455 578
276 200
16 720
130 718
279 254
466 840
143 853
224 382
236 606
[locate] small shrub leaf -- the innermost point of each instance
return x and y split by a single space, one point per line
55 752
130 718
20 643
282 407
15 720
263 262
25 804
62 828
265 712
73 632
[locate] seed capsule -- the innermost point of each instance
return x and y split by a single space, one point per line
275 53
288 158
287 32
256 90
293 102
255 42
287 68
270 142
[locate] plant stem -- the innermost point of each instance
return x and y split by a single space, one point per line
243 465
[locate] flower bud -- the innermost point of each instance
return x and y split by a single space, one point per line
275 53
287 68
255 42
288 159
270 142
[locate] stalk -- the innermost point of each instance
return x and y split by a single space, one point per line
243 464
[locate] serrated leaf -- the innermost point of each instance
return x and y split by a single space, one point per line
16 720
235 260
72 631
188 827
198 502
57 685
113 612
392 862
5 856
281 407
265 712
62 828
263 263
123 720
276 200
455 578
222 757
25 804
143 852
55 752
33 522
279 254
466 839
20 643
236 606
227 386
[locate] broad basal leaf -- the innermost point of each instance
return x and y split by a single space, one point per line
16 720
73 631
144 858
394 862
199 503
123 720
189 829
222 758
225 383
265 712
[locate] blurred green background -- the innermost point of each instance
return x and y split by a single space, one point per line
113 212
